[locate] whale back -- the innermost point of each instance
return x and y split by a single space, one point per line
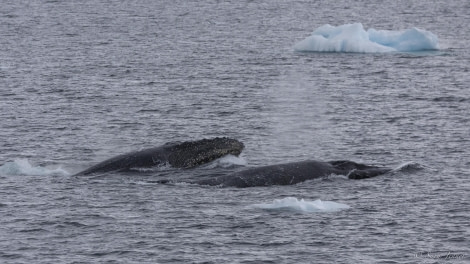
292 173
192 153
349 165
279 174
358 171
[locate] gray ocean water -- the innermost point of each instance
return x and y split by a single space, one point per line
82 81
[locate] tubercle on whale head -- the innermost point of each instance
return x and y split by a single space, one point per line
222 145
192 153
233 146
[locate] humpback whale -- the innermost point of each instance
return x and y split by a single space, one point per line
292 173
179 155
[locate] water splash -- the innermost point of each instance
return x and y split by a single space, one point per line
24 167
408 167
293 204
227 162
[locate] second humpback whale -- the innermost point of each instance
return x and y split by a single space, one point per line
179 155
292 173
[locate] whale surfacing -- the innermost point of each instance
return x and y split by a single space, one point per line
179 155
292 173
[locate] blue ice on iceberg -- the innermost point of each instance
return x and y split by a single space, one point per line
354 38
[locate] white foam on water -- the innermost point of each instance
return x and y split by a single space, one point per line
24 167
227 161
354 38
294 204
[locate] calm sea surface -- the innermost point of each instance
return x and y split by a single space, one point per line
81 81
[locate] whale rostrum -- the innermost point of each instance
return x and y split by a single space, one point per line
179 155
